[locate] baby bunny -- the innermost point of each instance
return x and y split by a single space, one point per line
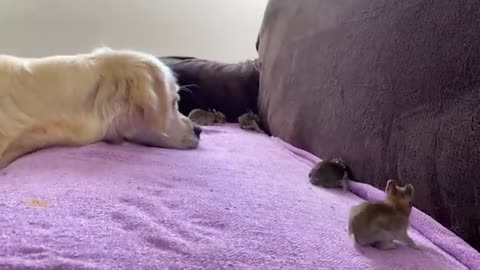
380 223
206 118
330 173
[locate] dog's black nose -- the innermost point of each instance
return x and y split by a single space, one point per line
197 130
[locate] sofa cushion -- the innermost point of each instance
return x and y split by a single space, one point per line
229 88
390 86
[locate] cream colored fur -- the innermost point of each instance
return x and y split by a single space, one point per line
81 99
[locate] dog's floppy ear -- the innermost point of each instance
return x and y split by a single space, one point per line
141 95
148 96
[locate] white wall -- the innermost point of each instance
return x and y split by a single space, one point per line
223 30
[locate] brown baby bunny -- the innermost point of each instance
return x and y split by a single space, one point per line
206 118
330 173
381 223
250 121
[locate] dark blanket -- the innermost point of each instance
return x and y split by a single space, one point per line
229 88
390 86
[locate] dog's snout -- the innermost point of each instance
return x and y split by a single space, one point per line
197 130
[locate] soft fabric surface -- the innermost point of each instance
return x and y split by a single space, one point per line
229 88
242 200
390 86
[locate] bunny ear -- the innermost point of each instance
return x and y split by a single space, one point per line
409 190
391 186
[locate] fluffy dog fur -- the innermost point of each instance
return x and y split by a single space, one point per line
81 99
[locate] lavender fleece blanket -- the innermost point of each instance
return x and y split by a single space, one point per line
240 201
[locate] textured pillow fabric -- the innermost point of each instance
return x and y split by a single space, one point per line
390 86
229 88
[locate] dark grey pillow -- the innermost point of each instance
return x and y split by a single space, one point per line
229 88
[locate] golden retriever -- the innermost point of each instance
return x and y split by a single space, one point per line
110 95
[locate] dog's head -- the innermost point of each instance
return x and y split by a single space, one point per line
149 89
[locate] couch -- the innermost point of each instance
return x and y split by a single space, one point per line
391 87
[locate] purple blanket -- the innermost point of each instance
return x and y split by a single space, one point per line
242 201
